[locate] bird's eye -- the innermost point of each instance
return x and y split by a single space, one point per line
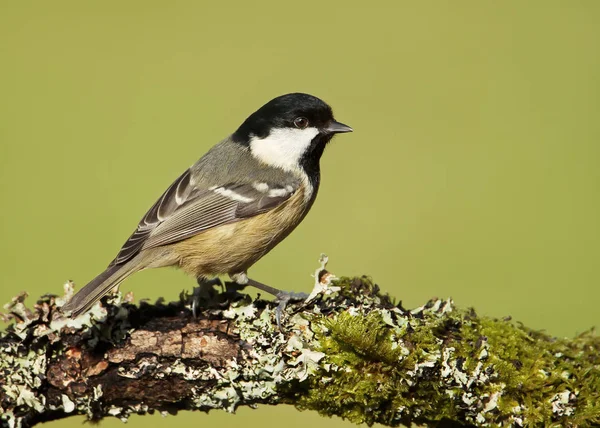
301 122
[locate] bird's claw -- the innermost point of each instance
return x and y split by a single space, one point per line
282 299
205 292
233 289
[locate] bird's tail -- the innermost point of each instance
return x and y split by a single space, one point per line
99 287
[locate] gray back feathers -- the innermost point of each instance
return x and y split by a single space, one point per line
226 185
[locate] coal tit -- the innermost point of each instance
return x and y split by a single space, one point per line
232 206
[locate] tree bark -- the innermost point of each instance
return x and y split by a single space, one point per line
351 351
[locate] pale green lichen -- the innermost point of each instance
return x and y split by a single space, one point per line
437 362
347 351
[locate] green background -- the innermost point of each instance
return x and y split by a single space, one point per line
472 172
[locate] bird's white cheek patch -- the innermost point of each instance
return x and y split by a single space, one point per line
284 147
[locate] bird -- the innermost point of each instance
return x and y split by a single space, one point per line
235 204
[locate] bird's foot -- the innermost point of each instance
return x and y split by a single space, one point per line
205 293
232 290
282 299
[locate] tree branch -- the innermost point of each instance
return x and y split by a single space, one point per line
350 352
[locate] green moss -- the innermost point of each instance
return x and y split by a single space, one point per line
392 366
359 338
362 354
353 353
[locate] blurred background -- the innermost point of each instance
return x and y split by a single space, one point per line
472 172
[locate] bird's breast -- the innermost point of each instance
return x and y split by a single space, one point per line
233 248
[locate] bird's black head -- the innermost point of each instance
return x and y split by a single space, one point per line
295 110
290 132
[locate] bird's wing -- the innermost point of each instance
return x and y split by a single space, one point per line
185 210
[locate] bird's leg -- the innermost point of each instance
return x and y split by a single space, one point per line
281 297
240 281
204 292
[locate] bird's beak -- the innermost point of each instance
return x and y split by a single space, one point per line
337 127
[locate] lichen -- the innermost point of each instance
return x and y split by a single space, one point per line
348 350
437 362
